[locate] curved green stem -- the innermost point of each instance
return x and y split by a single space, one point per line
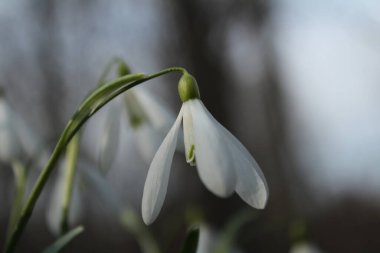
88 108
71 161
137 228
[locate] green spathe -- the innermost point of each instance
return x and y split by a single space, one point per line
188 88
123 69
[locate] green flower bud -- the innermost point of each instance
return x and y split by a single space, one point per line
188 87
123 69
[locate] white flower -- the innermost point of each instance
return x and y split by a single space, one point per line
17 140
223 164
86 180
9 142
149 121
209 240
304 247
55 208
110 138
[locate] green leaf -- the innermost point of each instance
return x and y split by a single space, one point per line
134 225
229 233
191 243
58 245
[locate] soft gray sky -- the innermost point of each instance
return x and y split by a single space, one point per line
330 61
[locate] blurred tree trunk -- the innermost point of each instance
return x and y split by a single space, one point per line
49 53
193 27
200 38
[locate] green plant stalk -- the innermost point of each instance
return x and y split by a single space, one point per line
133 224
71 161
70 130
20 175
225 242
62 242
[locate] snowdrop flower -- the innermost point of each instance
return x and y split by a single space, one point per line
208 241
149 119
110 138
304 247
17 140
224 164
54 210
86 180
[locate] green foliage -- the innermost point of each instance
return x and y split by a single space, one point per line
134 225
58 245
191 242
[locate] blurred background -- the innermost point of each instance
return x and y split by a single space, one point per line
298 82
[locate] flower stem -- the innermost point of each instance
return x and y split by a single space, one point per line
137 228
71 160
111 90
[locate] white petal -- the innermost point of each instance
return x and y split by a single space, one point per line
148 141
251 185
207 240
9 142
304 247
110 139
31 143
54 210
100 186
158 175
159 116
250 181
188 135
211 152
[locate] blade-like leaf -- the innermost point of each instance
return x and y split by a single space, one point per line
58 245
135 226
191 242
229 233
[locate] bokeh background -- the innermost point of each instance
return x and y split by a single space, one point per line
298 82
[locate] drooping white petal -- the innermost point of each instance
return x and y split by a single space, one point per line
158 175
210 241
29 140
188 135
54 210
110 138
17 140
304 247
251 185
148 141
250 181
159 116
213 160
10 147
99 185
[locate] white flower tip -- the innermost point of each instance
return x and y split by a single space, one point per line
261 203
147 219
157 180
257 198
148 214
262 196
